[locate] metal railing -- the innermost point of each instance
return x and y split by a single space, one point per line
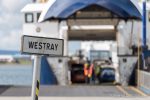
144 79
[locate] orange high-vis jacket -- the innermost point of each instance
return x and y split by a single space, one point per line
90 70
86 69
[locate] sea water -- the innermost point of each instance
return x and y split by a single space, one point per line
15 74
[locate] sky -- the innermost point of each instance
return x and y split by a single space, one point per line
11 23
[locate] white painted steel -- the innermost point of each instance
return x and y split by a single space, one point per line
38 7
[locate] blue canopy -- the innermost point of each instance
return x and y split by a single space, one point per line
63 9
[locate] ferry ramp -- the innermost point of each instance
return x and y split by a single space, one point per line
74 91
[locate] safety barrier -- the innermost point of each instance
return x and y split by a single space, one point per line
144 81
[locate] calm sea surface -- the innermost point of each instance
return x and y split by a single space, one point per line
16 75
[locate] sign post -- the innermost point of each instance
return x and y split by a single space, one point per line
36 77
40 46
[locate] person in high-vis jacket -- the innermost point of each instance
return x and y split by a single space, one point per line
97 73
86 69
88 72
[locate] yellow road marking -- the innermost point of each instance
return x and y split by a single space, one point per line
138 91
123 91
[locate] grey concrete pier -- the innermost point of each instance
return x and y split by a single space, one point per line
72 91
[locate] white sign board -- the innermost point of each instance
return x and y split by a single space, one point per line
42 45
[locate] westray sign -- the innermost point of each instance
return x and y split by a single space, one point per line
42 45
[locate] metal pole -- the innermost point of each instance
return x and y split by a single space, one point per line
143 42
144 23
36 77
138 67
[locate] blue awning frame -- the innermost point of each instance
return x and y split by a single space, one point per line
63 9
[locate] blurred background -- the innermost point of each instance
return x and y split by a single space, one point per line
14 67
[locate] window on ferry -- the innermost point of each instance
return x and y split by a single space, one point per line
99 54
29 18
149 16
38 16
